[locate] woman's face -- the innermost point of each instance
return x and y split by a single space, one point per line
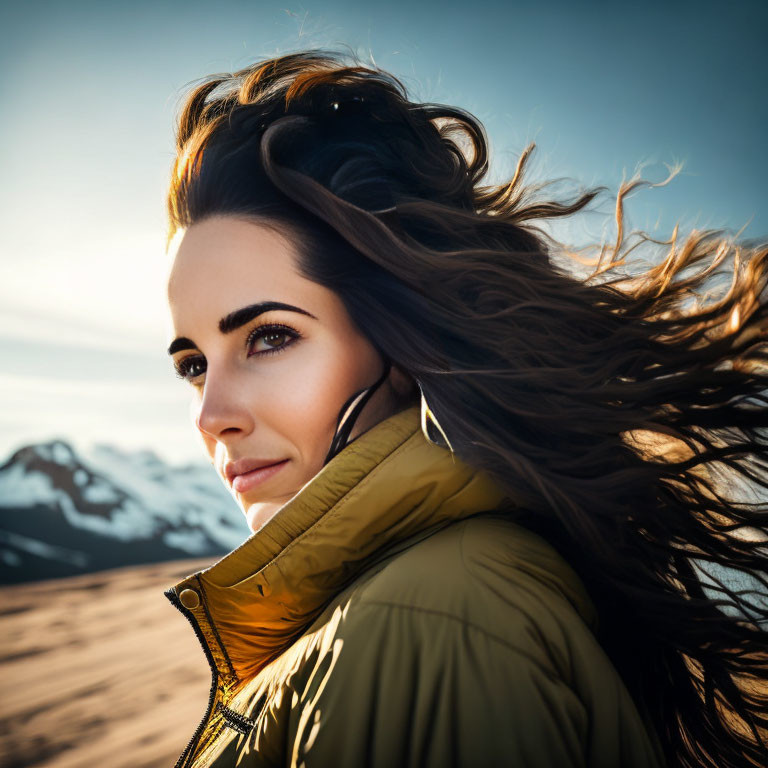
266 387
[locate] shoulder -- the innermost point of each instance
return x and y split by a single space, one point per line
488 613
466 648
489 575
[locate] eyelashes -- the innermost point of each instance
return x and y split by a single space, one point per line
266 330
194 365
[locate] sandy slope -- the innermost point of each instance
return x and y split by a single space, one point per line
99 670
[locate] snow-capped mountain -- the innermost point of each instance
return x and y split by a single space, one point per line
62 513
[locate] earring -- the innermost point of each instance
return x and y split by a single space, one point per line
427 417
347 417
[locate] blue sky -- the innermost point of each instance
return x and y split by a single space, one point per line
89 91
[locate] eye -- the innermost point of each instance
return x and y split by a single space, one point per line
187 368
191 367
270 333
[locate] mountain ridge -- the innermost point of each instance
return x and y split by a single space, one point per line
64 512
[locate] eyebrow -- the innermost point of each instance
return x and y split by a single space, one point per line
238 318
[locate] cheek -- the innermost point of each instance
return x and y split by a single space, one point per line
307 389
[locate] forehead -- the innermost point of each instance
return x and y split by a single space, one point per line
223 263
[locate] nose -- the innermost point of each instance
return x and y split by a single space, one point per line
222 410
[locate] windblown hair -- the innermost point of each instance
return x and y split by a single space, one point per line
623 408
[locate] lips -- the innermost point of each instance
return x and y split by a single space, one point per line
240 467
247 481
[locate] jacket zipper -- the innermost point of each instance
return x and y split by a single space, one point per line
189 749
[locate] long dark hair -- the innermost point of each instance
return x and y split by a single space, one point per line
623 408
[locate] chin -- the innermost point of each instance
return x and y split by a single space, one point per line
256 516
259 513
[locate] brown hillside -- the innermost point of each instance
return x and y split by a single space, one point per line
99 670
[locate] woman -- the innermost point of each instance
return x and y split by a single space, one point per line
487 484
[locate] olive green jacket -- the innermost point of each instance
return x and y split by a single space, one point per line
391 615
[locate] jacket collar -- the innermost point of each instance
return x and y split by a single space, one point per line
387 488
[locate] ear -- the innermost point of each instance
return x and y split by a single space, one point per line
403 384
